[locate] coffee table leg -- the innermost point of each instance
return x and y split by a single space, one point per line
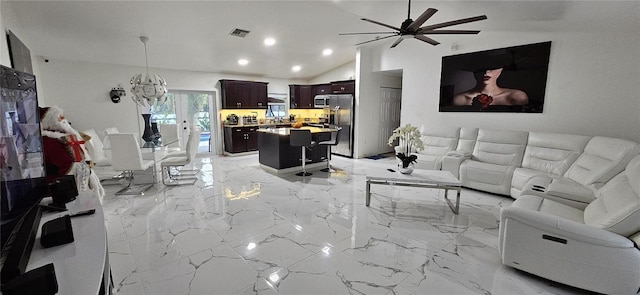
368 193
457 207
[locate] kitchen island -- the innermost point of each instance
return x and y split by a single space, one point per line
277 155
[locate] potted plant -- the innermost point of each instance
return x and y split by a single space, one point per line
408 141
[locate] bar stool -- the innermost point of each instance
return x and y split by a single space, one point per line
302 138
335 138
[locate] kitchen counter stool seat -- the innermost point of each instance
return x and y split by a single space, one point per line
302 138
335 138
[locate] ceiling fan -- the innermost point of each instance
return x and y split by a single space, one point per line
412 29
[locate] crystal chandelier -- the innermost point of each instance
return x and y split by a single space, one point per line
150 89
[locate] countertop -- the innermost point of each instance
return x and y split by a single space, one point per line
270 125
284 131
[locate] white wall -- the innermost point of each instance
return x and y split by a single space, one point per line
343 72
82 90
368 105
592 85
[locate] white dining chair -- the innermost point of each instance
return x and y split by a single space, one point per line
126 156
173 175
170 134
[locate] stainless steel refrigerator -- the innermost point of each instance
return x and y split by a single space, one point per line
341 114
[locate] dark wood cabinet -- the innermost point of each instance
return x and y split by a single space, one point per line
321 89
340 87
238 94
301 96
240 139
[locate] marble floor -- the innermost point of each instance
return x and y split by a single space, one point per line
242 230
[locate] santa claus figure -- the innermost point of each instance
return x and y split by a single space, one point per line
64 152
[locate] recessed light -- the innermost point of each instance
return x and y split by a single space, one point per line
327 51
296 68
269 41
243 62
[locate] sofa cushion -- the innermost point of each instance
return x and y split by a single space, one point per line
486 176
467 140
437 143
553 152
500 147
617 208
428 162
540 204
602 159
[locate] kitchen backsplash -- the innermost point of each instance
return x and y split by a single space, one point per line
301 114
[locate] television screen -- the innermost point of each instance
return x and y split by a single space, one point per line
511 79
22 177
19 54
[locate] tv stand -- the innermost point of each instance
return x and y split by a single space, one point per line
82 267
19 245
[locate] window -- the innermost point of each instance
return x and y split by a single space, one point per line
277 105
276 110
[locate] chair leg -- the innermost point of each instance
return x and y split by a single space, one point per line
328 169
137 189
304 162
176 179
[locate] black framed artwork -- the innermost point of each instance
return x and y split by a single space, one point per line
511 79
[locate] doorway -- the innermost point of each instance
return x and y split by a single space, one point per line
390 104
188 107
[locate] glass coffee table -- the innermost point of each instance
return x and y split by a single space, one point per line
419 178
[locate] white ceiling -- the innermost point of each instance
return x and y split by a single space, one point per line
194 35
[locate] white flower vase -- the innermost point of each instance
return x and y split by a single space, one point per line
405 170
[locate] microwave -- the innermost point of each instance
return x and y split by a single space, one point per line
321 101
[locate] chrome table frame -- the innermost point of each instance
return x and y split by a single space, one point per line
419 178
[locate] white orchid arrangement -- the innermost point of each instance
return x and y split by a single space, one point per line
409 140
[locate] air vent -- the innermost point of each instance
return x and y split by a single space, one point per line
239 33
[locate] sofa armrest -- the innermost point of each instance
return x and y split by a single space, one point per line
452 160
565 229
569 190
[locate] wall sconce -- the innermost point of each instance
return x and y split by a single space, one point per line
116 93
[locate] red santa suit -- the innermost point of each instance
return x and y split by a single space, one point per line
64 153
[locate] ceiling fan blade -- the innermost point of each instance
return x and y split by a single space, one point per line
453 23
449 32
376 39
375 33
422 18
426 39
397 42
381 24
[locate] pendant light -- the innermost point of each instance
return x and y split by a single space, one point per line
150 89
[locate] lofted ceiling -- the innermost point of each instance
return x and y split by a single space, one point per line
194 35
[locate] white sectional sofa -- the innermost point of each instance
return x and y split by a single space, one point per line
576 218
595 248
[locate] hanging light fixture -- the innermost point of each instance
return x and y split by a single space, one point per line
150 89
